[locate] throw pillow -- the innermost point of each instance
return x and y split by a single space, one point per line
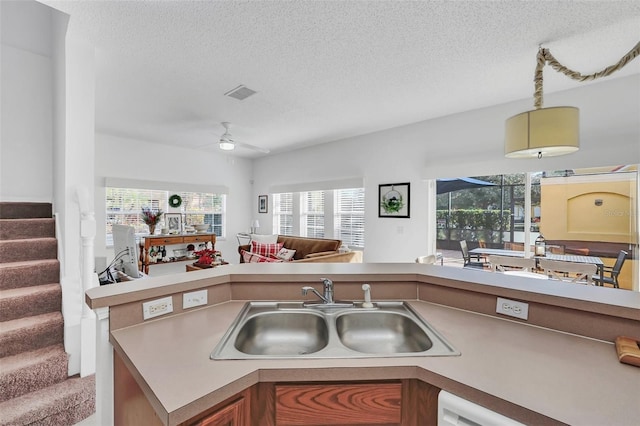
264 239
286 254
249 257
268 250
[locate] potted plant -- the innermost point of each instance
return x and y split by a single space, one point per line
206 258
151 218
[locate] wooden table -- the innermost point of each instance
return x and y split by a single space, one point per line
192 267
580 259
496 252
561 257
168 240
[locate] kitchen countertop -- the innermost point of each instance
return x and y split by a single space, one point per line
572 379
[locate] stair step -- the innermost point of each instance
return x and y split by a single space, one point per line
31 249
28 301
29 273
65 403
31 333
14 229
32 371
20 210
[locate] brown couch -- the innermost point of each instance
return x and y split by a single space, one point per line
313 250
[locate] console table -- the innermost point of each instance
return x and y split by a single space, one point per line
168 240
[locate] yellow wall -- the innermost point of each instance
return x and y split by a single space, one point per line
569 211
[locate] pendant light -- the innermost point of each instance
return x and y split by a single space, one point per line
554 131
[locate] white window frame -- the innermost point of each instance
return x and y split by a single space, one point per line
159 199
354 214
312 214
332 218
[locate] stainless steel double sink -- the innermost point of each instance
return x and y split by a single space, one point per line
266 330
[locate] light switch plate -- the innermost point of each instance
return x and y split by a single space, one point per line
194 298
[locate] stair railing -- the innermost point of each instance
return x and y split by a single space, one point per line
96 351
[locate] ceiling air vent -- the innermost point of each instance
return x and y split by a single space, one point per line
240 93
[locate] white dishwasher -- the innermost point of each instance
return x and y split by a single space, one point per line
455 411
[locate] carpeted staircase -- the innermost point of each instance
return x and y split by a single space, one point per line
34 386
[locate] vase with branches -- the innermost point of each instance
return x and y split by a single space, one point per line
151 218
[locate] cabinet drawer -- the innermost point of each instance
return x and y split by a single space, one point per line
199 238
166 240
354 404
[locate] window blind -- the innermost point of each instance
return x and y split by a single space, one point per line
283 213
349 216
313 214
123 206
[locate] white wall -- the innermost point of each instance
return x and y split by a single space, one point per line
141 160
26 111
466 144
47 134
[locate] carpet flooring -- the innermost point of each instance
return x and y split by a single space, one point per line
35 388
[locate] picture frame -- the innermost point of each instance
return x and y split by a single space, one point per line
173 222
394 200
263 203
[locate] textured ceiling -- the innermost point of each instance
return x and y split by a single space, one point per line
326 70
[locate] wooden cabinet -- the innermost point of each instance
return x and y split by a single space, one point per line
230 415
407 402
168 240
340 404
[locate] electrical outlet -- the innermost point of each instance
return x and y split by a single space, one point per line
195 298
512 308
155 308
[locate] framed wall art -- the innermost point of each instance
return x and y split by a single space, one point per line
263 202
173 222
393 200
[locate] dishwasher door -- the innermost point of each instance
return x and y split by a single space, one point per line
455 411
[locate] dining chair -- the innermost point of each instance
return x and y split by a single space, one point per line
574 272
613 271
429 259
499 263
471 261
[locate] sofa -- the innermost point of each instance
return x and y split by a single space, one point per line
311 250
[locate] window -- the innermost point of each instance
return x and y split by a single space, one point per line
283 213
586 214
349 216
312 214
337 213
124 205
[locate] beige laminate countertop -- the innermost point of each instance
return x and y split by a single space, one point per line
572 379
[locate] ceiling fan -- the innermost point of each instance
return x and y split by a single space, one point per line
228 143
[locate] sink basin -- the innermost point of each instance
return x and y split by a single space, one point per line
268 330
283 333
381 332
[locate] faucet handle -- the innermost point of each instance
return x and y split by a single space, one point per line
326 282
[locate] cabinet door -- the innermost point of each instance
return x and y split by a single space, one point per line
353 404
231 415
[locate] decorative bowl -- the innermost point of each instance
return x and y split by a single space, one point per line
202 227
180 253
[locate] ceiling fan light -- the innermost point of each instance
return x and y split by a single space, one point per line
543 132
225 145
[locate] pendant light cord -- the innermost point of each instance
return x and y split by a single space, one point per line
544 57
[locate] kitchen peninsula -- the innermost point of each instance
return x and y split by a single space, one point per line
564 369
